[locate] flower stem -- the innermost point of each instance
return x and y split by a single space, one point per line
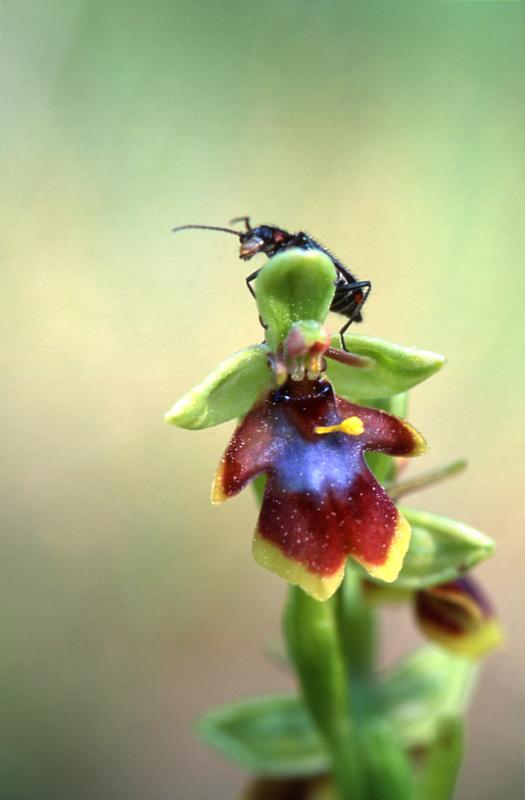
357 629
386 769
312 637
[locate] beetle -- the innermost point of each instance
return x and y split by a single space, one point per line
350 293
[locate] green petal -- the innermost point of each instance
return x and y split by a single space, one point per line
393 369
269 735
422 689
292 286
228 392
441 549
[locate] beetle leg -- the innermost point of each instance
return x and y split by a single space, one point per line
364 287
342 335
249 281
246 221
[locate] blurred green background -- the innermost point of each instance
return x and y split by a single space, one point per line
394 133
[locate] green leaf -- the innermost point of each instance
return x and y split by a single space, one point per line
388 768
441 770
441 549
393 369
422 689
270 735
228 392
292 286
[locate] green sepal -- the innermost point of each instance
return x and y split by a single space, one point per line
440 550
422 689
227 393
439 775
393 368
294 285
269 735
258 486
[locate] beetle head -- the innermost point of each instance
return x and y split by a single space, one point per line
262 239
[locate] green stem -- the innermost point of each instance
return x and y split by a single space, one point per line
357 628
313 642
385 766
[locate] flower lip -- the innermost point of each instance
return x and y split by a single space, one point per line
303 391
305 404
321 503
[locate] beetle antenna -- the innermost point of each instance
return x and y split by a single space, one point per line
205 228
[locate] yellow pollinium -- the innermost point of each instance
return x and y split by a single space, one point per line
353 426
